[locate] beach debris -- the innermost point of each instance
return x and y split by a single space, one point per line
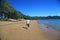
47 27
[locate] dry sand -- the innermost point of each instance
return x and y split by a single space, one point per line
19 31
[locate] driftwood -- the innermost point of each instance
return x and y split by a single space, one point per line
13 20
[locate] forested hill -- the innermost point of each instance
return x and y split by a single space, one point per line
7 11
46 17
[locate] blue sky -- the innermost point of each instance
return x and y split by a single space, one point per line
37 7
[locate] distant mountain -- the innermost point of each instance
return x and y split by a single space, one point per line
47 17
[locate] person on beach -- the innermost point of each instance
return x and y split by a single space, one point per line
28 23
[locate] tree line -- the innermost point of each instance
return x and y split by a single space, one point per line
7 11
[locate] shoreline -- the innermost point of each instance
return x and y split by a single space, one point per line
48 25
50 31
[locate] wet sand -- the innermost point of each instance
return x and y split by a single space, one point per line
51 33
19 31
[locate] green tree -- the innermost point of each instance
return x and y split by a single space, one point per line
7 11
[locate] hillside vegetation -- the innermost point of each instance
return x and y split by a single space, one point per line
7 11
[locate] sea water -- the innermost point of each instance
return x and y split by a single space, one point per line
55 23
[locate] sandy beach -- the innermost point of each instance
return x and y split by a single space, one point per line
19 31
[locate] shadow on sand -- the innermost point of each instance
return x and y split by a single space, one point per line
0 38
25 27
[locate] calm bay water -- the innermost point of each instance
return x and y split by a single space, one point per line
52 22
